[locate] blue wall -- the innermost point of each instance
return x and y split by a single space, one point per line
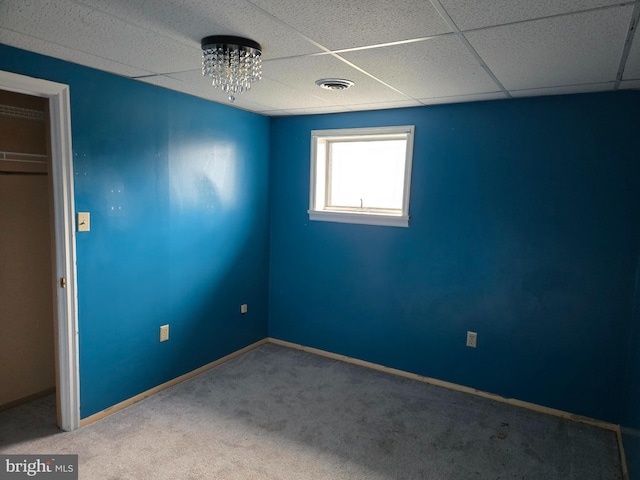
521 229
177 188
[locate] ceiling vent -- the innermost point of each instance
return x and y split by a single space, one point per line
334 83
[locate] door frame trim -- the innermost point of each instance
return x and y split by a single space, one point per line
64 232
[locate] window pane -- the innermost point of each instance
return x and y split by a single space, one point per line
367 174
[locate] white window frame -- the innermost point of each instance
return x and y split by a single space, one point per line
319 211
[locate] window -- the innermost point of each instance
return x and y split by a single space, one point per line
361 175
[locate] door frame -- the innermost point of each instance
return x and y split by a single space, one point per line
67 368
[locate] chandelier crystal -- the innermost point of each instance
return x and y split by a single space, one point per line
232 63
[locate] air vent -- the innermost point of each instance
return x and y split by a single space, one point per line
334 83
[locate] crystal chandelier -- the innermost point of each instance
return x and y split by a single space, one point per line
232 63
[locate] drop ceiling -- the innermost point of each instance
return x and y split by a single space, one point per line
398 53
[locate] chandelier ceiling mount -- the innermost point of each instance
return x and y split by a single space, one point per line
232 63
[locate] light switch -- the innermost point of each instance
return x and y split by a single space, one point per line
84 221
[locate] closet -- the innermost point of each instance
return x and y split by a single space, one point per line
27 358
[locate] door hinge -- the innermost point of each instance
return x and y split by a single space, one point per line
63 282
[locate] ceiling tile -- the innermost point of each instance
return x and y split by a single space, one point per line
269 93
385 105
203 91
189 21
177 85
307 111
569 50
354 23
469 14
87 30
478 97
566 90
437 67
630 84
632 67
38 45
564 52
282 97
301 73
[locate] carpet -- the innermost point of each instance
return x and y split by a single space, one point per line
281 414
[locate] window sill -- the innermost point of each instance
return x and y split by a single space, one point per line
359 218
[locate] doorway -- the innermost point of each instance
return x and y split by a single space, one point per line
27 360
65 328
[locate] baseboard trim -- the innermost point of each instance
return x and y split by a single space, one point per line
450 385
141 396
374 366
27 399
623 456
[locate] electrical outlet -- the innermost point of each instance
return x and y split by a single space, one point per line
244 308
472 339
164 333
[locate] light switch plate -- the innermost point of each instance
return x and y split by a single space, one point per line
84 221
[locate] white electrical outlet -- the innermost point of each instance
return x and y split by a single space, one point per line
244 308
164 333
472 339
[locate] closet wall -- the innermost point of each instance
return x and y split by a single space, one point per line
27 361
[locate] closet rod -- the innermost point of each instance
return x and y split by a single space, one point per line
23 157
23 173
12 111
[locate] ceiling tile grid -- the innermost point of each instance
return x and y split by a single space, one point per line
632 68
478 97
385 105
564 90
630 84
356 23
84 29
472 14
437 67
203 90
573 49
301 74
33 44
277 96
398 54
190 21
